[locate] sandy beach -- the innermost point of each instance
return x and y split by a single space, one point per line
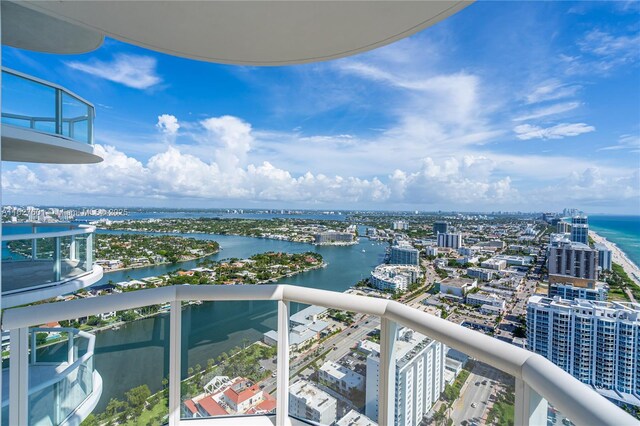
619 257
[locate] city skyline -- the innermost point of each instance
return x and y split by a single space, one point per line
469 120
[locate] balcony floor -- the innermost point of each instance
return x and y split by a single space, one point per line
24 274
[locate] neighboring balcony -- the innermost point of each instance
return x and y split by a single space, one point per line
63 387
44 123
536 389
46 260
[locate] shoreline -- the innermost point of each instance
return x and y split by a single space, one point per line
128 268
619 256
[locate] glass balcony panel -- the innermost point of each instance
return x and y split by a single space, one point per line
328 365
80 253
132 357
31 262
68 388
230 364
27 103
75 118
33 104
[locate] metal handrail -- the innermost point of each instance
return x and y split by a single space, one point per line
573 398
47 83
72 230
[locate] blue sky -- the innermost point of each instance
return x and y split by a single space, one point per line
504 106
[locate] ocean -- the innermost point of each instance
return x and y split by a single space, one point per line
622 230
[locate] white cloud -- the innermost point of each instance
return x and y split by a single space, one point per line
134 71
548 110
604 44
592 186
168 124
550 90
559 131
630 142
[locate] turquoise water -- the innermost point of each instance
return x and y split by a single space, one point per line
622 230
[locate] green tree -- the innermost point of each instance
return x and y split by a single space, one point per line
136 398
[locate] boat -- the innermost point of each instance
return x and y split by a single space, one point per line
364 251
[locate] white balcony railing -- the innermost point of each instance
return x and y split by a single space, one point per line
39 259
538 381
60 392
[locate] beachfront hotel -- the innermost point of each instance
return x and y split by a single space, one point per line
50 124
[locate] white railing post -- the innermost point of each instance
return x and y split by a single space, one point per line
19 377
530 408
282 369
57 260
387 370
72 249
70 348
175 347
89 248
33 347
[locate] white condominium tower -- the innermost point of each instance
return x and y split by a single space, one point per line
419 376
596 342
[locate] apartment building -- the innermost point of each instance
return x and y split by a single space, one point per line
419 377
596 342
307 401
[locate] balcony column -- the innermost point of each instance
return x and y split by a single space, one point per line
72 249
70 348
57 265
19 377
175 363
282 369
530 408
89 249
387 370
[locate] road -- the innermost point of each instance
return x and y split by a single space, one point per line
343 341
483 382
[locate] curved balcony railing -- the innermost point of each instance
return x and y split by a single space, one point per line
40 255
39 105
60 391
537 380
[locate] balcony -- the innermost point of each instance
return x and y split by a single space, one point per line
44 123
536 382
46 260
60 392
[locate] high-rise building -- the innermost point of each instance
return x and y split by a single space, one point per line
394 277
404 254
573 263
563 227
597 291
580 229
419 377
307 401
332 237
596 342
400 225
453 241
440 228
604 256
